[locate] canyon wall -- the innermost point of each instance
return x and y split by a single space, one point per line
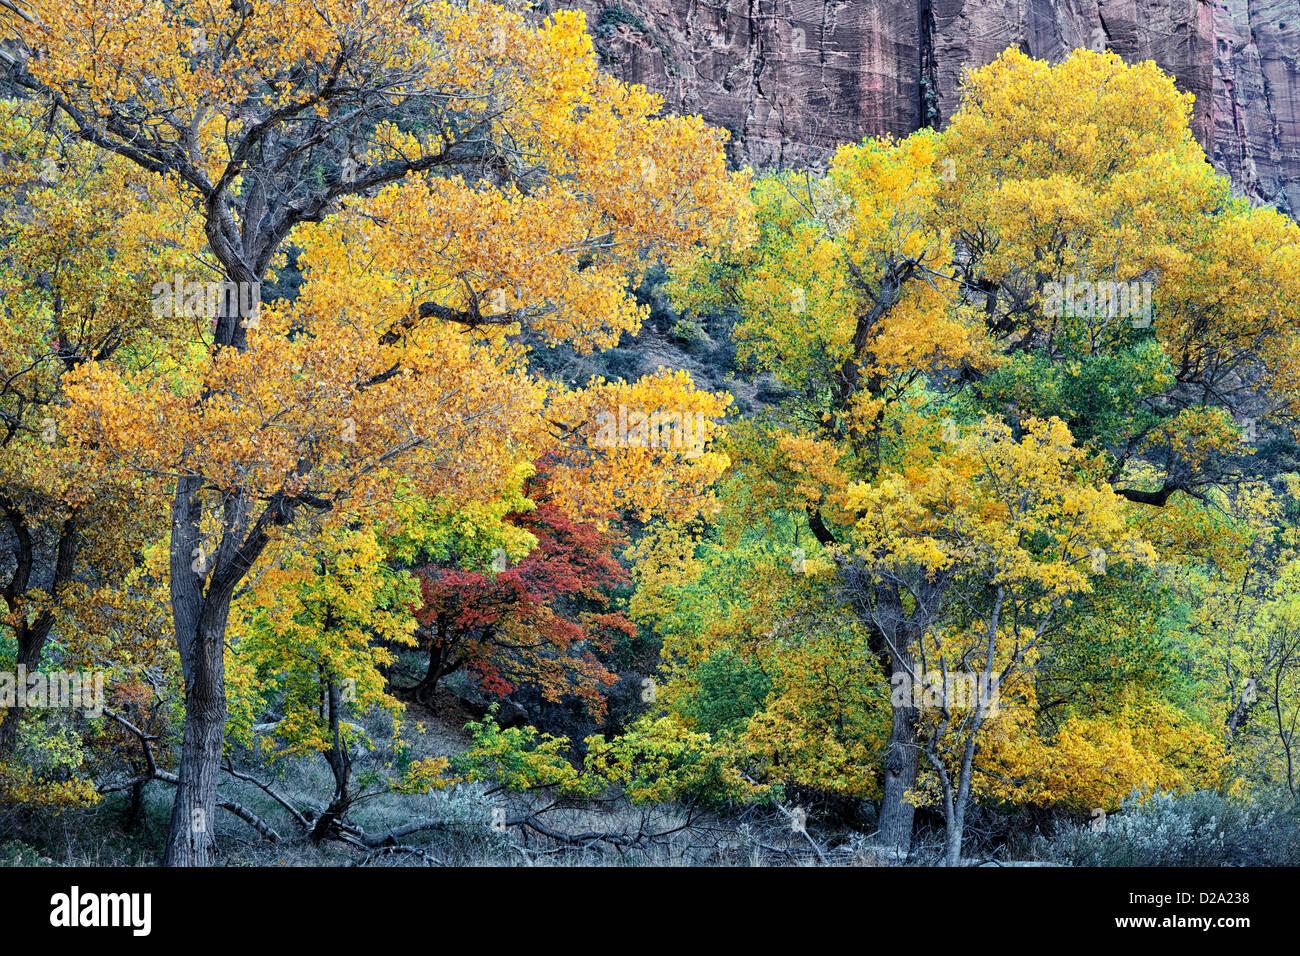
792 79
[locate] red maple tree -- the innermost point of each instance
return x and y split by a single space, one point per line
538 623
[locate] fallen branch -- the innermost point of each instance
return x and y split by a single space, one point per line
266 788
399 848
155 773
249 817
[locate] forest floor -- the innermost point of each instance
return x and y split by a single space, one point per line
610 833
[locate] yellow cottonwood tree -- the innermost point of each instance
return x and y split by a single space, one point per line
972 554
83 233
921 288
1079 181
452 173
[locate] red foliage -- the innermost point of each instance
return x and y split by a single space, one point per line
536 623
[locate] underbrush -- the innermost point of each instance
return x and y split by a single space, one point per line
1196 829
478 824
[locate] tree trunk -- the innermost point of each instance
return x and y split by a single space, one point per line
340 763
203 581
952 844
189 840
903 754
200 621
957 814
135 809
955 809
896 811
29 656
424 691
31 637
9 717
438 651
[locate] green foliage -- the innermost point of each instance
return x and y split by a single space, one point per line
654 761
1102 397
729 690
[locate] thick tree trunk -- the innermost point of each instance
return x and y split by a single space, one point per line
203 581
200 621
189 840
896 811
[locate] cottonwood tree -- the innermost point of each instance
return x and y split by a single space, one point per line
450 173
914 282
82 233
848 298
973 554
1052 226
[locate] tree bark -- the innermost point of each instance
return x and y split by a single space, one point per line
29 655
200 621
31 637
135 809
442 661
957 809
428 686
340 764
896 811
189 839
952 844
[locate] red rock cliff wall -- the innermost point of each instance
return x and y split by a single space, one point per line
793 78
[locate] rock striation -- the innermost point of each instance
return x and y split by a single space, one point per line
791 79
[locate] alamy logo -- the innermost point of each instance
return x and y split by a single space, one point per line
181 298
636 428
1116 300
42 689
133 910
953 691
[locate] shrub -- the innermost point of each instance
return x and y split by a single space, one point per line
1196 829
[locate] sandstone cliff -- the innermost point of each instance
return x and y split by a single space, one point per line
793 78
